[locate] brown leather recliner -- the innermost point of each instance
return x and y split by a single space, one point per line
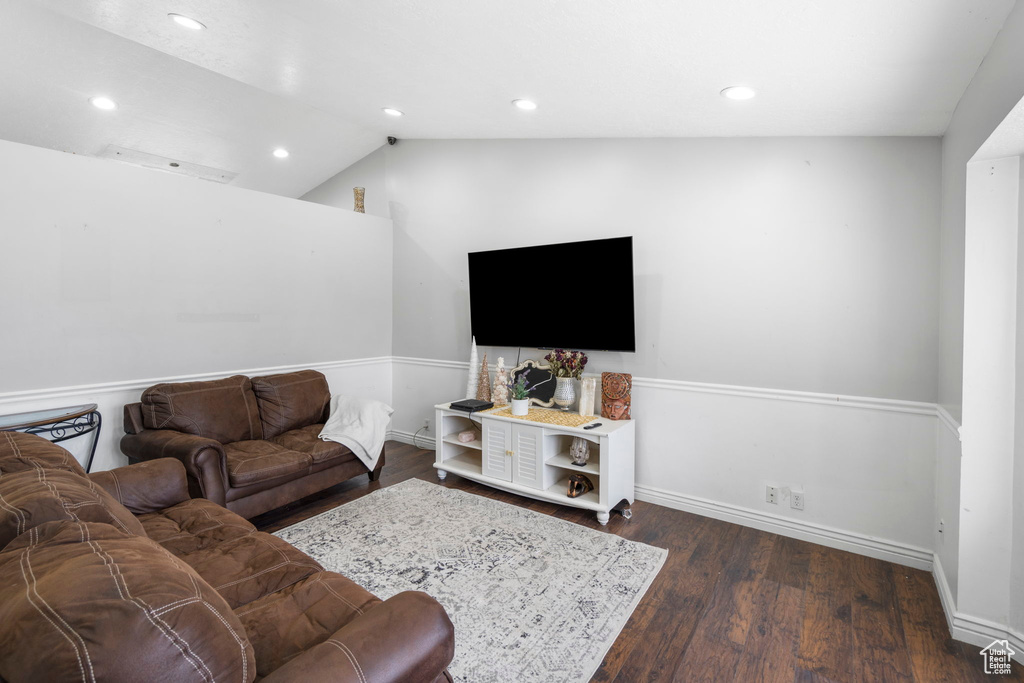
120 576
250 445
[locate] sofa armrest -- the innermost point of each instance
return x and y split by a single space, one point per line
408 638
203 458
147 486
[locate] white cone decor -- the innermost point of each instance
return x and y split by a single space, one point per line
474 372
499 394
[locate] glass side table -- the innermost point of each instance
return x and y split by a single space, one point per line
58 424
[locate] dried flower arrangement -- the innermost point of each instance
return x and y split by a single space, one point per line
567 363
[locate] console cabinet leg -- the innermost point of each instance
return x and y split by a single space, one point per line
602 518
441 474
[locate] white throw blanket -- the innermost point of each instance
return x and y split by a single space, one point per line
359 423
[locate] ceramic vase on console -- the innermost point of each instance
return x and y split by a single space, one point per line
520 406
565 392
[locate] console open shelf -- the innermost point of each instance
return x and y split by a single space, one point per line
532 458
564 461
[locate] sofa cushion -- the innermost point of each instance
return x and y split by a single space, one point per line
194 525
249 566
291 400
212 540
224 409
37 496
251 462
83 601
307 440
284 624
20 452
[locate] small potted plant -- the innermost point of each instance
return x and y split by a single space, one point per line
519 391
566 366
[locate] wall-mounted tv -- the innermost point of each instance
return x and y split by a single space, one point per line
559 309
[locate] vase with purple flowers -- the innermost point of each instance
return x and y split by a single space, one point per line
566 366
519 392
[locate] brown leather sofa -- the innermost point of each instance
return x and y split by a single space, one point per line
120 576
250 445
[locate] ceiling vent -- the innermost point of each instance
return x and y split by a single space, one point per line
146 160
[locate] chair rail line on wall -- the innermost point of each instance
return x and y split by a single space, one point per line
865 402
137 384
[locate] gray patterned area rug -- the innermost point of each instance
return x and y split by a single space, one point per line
533 598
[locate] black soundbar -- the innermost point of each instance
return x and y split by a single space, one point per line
471 405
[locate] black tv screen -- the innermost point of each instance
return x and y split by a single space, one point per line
562 305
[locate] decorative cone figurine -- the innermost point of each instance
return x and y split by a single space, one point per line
483 383
473 374
499 394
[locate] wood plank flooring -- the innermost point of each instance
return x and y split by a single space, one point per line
737 604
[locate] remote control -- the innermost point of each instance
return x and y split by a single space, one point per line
591 426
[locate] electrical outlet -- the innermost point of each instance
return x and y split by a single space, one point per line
771 495
942 526
426 423
796 500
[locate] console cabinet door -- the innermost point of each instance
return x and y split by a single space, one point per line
497 454
528 459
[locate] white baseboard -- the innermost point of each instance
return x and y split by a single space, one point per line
970 629
981 632
882 549
424 441
945 593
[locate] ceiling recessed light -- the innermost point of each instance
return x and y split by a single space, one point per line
187 22
525 105
393 112
104 103
280 153
739 92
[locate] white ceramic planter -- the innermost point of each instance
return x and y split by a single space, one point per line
520 406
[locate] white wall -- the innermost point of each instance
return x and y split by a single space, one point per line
994 91
804 264
989 392
865 466
117 273
777 280
1017 525
947 505
368 173
116 277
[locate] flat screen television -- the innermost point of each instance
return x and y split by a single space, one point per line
561 310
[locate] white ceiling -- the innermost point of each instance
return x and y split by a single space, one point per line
1007 140
312 75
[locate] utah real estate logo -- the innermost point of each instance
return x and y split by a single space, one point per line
997 657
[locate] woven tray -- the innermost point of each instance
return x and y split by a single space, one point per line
551 417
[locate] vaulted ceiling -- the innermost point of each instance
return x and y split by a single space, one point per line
312 76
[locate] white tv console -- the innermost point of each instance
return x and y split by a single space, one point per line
532 458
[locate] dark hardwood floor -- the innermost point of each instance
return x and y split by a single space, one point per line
737 604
